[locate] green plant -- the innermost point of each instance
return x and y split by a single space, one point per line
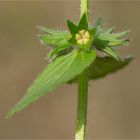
74 58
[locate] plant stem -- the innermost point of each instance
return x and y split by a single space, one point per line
82 106
84 7
82 90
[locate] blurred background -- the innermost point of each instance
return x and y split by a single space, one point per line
114 102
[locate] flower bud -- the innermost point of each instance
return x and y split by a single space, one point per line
82 37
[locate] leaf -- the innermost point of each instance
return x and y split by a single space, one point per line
60 38
102 45
111 52
113 39
118 35
48 31
103 66
99 23
106 65
83 23
110 30
58 72
118 43
72 27
56 51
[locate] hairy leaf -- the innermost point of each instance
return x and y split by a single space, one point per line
113 39
56 39
110 30
111 52
48 31
99 23
118 35
58 72
102 45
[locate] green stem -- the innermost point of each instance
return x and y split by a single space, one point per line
82 106
82 90
84 7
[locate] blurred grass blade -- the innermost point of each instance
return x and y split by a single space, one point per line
58 72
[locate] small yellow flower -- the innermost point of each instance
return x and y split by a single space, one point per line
82 37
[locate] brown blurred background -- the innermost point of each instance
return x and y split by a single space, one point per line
114 102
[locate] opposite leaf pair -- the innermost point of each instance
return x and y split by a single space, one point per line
72 53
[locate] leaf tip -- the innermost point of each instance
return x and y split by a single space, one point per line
10 114
69 22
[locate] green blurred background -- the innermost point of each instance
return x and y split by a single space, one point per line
114 102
